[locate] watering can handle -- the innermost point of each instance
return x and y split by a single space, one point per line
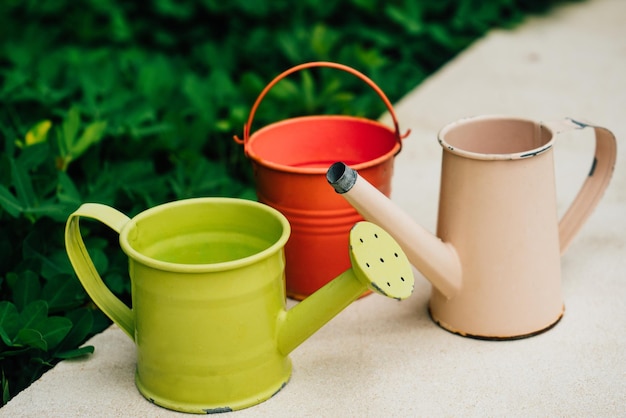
363 77
112 306
595 184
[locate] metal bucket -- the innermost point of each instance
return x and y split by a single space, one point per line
290 159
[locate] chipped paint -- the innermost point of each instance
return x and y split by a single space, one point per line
536 152
579 124
378 289
593 167
218 410
279 389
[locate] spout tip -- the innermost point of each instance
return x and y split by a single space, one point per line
379 262
341 177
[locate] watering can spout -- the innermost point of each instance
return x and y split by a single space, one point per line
435 259
378 264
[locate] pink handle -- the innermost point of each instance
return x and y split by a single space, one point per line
594 186
368 81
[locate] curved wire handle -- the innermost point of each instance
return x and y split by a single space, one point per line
363 77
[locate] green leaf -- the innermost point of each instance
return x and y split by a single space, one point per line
255 8
82 320
8 312
67 191
23 185
223 88
441 34
155 129
251 83
53 259
39 330
63 292
117 283
9 203
52 209
11 278
41 361
70 127
53 330
156 80
26 289
28 337
6 395
197 91
92 134
78 352
33 156
289 45
33 313
409 17
308 91
323 40
285 89
6 339
9 321
100 260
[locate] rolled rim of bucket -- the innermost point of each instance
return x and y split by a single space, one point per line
248 137
277 245
318 164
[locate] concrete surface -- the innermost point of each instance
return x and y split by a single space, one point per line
385 358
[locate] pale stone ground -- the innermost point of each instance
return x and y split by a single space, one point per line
384 358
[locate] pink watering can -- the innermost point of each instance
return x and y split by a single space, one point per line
495 261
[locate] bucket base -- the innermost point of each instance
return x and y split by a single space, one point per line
495 338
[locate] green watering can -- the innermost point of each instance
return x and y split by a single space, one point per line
209 315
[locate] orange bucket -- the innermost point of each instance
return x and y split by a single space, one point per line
290 159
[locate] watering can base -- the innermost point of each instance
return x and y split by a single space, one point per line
211 408
452 330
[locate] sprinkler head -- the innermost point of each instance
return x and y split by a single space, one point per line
379 262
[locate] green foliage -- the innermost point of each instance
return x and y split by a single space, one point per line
133 104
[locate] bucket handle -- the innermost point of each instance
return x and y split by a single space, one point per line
363 77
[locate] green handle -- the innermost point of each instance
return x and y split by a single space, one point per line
85 269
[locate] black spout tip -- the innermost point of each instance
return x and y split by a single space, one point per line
341 177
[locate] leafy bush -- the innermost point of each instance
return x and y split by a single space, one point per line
133 104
